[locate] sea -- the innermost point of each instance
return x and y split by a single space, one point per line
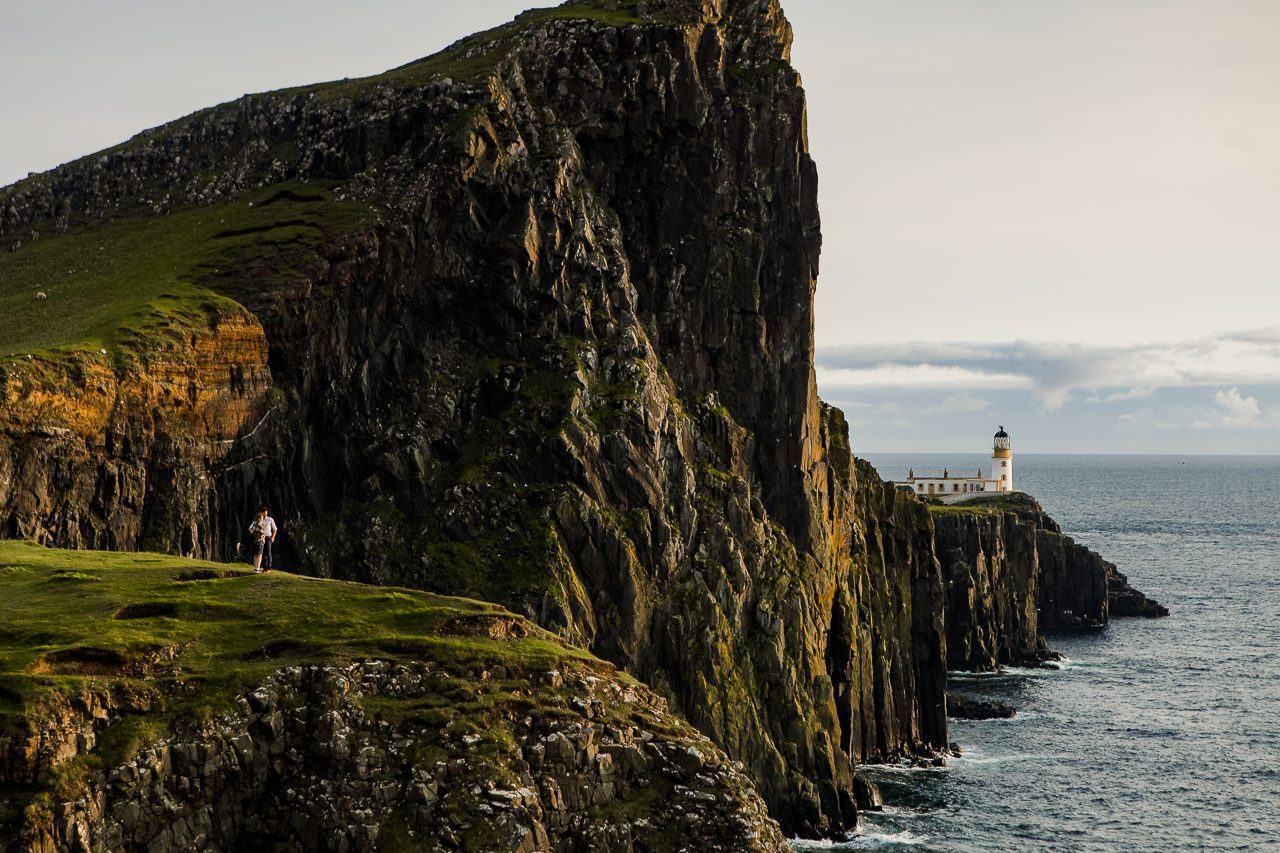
1155 735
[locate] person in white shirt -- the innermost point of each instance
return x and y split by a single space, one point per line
264 530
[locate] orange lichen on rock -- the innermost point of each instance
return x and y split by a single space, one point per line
208 382
85 436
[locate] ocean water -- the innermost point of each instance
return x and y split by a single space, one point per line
1158 734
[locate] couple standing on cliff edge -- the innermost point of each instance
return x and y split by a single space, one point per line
264 530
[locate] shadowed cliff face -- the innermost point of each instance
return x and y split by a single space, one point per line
992 569
568 368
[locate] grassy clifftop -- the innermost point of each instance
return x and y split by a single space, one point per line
196 634
990 504
151 702
108 281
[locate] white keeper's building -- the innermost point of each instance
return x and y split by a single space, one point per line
952 490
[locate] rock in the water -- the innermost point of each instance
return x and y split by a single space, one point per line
967 708
867 795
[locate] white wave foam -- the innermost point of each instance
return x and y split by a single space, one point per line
890 810
817 844
965 675
972 755
904 768
873 840
864 841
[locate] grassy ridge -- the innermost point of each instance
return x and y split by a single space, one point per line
471 58
109 281
72 617
467 60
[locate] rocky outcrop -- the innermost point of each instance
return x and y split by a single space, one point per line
1124 600
568 368
1011 574
1073 583
312 759
1079 589
992 568
966 708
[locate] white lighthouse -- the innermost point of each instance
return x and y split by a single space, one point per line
1002 462
952 489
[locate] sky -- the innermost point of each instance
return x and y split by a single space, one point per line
1058 216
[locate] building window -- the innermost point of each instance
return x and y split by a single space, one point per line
1004 463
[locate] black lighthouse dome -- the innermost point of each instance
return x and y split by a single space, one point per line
1002 433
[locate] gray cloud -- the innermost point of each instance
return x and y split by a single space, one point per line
1257 336
1054 371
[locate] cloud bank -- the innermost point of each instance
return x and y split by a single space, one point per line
1055 372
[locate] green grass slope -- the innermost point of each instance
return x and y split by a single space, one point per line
182 639
977 506
109 281
197 634
471 58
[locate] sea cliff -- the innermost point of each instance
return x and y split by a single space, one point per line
1011 574
543 337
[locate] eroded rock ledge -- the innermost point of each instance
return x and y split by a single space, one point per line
113 450
967 708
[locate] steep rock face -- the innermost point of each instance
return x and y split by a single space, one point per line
1010 573
101 451
307 761
570 369
897 697
1082 590
992 569
1073 583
